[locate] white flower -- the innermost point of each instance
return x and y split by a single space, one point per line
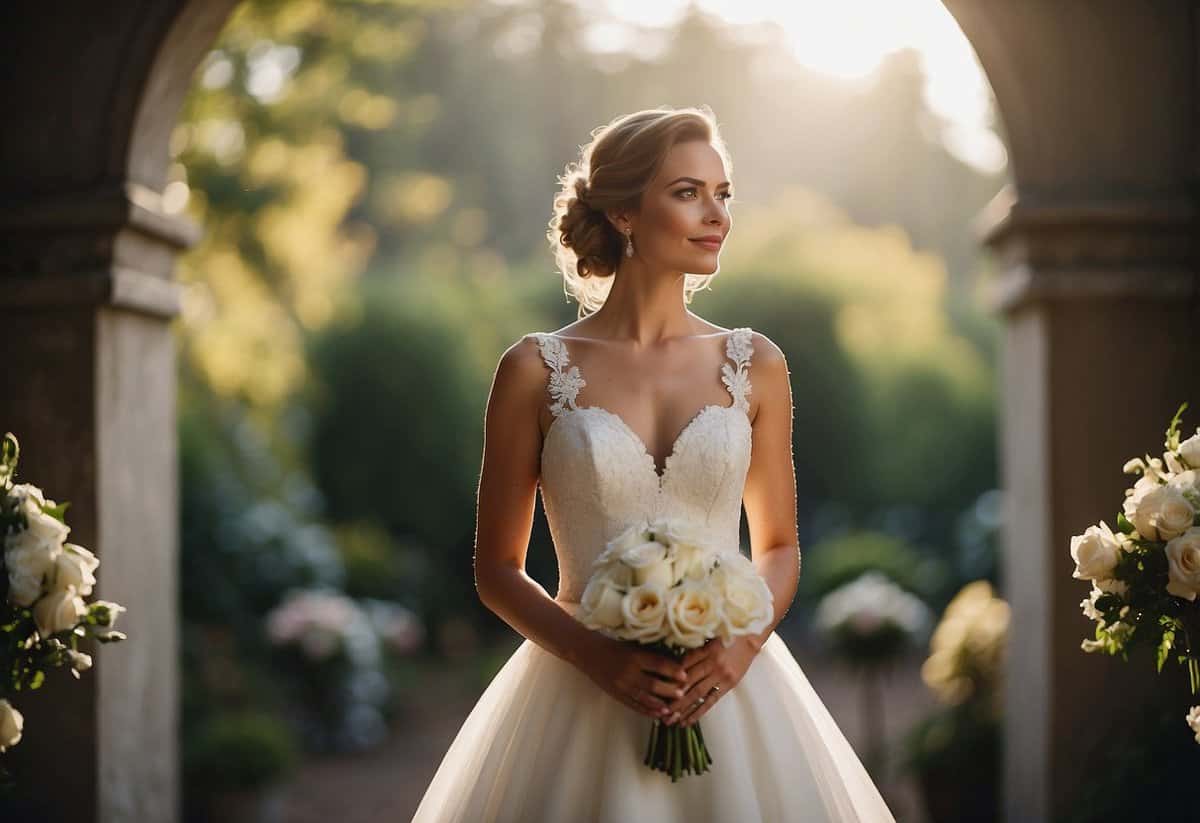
1189 450
30 555
869 602
80 661
644 611
649 562
1111 585
693 613
74 567
1162 513
691 562
635 535
601 602
11 724
1183 564
1193 721
746 601
1088 605
1095 552
1174 466
58 611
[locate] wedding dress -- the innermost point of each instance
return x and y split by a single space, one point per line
544 744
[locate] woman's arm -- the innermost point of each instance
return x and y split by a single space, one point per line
770 492
507 494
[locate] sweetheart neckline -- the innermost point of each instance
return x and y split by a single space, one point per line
647 457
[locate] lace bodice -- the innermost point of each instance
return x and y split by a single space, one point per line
598 477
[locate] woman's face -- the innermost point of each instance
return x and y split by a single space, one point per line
684 214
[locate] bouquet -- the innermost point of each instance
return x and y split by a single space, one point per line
43 580
665 585
1145 575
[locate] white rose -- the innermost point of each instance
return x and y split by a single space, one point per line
1183 564
635 535
692 562
11 724
1095 552
74 567
1188 483
641 558
746 600
601 602
29 557
58 611
617 572
644 609
24 590
1189 450
1162 513
693 613
1193 721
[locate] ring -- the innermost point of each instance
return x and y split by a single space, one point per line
716 687
701 700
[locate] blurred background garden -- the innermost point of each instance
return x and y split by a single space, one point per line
374 181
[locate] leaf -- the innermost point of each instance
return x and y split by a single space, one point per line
1172 441
1164 648
1123 524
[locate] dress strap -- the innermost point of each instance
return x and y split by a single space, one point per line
564 383
736 377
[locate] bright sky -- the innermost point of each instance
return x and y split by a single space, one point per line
849 39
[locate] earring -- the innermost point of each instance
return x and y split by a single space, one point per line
629 242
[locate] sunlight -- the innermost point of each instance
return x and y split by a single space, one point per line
848 40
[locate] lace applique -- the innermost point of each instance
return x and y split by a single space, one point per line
564 383
738 348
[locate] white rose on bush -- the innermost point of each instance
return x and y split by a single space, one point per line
1095 552
1161 513
75 566
11 725
58 611
1183 564
1189 450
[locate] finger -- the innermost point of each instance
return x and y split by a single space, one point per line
695 689
643 703
696 710
695 656
662 688
662 665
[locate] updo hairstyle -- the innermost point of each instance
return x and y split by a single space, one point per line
612 172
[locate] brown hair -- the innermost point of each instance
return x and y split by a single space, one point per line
612 172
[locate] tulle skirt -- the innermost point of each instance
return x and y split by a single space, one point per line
544 744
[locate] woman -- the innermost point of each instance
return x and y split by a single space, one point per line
641 409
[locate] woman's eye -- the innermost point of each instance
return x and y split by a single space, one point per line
727 195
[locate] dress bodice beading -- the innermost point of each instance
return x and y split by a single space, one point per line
598 477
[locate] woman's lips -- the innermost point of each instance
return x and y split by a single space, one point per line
711 245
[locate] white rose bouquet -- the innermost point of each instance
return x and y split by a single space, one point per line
43 582
1145 575
665 585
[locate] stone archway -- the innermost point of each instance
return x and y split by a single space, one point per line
1098 249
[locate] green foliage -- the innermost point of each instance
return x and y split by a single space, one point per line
838 560
241 750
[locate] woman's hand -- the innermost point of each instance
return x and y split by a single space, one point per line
642 679
707 666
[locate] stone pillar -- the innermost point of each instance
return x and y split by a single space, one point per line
1098 285
86 299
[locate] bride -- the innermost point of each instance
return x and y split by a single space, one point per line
641 409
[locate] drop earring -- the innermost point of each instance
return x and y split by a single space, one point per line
629 242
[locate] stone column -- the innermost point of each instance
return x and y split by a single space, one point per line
1097 251
86 298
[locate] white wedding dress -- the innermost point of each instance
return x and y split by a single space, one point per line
544 744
